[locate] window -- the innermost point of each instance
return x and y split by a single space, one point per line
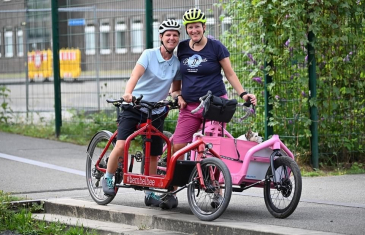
90 40
19 42
8 42
104 38
210 27
156 34
136 36
120 37
226 24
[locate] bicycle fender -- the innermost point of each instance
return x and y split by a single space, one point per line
106 131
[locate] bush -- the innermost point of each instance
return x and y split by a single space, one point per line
278 41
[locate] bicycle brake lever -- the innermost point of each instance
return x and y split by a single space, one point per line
209 93
135 100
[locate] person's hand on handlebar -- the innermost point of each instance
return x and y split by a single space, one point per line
181 102
250 98
127 97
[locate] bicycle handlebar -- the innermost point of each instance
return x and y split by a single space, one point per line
246 106
138 103
203 100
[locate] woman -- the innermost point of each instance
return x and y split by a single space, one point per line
151 77
201 62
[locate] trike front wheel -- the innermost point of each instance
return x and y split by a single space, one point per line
208 202
93 175
282 197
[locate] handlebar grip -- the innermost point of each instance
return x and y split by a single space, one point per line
115 100
248 102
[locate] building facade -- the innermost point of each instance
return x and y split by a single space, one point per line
110 34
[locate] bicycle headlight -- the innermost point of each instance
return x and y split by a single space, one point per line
209 145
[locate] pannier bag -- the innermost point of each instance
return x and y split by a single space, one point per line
219 109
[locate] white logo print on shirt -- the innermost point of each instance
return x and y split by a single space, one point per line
193 62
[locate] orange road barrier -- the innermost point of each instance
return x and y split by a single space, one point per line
40 64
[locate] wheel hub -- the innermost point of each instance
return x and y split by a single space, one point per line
286 187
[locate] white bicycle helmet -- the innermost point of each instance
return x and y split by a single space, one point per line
169 25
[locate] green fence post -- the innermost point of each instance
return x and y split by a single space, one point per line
268 107
149 22
56 68
27 28
313 95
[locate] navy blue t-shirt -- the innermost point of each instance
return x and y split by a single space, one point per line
201 70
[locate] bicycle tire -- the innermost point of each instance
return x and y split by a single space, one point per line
93 176
282 201
202 202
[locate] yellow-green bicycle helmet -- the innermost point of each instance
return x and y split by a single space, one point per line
194 15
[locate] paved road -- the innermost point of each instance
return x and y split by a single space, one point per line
42 169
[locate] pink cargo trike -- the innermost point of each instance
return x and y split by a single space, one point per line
269 165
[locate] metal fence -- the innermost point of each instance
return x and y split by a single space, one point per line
111 35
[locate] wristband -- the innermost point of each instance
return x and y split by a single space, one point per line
242 94
178 96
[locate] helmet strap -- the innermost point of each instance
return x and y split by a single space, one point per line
198 41
170 52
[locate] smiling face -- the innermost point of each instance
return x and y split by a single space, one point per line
195 31
170 39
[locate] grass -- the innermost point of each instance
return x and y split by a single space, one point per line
19 219
341 169
78 130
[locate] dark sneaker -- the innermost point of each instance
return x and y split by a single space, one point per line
217 200
152 200
169 202
108 186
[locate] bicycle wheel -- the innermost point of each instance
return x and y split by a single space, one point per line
93 176
282 198
210 203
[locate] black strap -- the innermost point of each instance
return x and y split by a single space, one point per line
228 158
231 159
235 144
222 129
223 107
203 125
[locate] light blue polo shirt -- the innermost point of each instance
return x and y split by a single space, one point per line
156 81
